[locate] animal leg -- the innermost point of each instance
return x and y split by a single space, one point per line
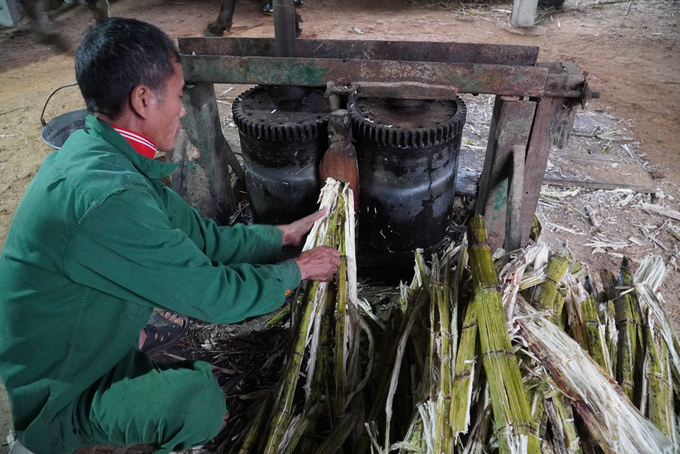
99 8
224 19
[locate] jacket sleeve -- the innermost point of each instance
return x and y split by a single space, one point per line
127 247
226 244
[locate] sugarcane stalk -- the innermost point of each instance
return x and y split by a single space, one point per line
629 325
355 315
440 300
479 433
461 396
562 423
546 295
648 277
608 312
340 360
388 354
595 331
512 414
612 419
612 333
297 430
318 380
609 284
659 394
322 233
432 348
283 415
340 433
397 367
255 433
281 316
536 228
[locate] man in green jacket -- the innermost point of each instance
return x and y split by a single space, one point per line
97 242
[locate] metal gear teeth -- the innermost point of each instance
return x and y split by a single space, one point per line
410 138
271 131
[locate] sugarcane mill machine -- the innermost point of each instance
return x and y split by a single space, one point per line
390 106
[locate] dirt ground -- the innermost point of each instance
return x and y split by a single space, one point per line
630 135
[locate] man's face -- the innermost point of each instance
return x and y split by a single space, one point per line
166 112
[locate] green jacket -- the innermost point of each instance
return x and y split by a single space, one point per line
94 245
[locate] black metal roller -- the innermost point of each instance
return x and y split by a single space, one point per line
408 160
282 142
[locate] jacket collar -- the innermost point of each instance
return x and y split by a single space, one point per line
149 167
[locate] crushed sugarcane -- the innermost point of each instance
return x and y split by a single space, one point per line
467 365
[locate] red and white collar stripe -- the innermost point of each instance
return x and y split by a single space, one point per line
141 144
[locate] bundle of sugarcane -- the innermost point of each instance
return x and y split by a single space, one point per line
326 331
553 388
520 355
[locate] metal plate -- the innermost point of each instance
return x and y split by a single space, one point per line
466 77
494 54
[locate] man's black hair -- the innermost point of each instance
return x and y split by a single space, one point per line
117 55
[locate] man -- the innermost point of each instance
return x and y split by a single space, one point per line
97 242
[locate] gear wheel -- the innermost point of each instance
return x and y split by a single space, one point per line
411 125
259 115
282 141
407 153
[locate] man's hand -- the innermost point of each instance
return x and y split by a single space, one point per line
319 264
294 233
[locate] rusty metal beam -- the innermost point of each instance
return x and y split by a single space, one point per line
312 72
492 54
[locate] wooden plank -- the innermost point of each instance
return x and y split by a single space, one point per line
497 54
537 160
664 211
510 127
513 224
204 156
599 185
311 72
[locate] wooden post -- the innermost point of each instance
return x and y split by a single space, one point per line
510 127
537 160
513 223
552 124
524 13
204 156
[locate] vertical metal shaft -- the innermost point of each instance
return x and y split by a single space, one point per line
284 27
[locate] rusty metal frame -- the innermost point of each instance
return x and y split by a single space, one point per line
425 70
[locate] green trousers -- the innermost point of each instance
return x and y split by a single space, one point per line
172 407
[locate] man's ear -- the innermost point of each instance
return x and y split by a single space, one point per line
141 99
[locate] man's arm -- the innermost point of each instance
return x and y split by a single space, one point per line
225 244
127 247
253 244
318 264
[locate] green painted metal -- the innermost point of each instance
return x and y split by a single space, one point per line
311 72
492 54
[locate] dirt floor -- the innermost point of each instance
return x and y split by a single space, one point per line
630 135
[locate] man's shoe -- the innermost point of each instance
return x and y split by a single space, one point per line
162 333
268 9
